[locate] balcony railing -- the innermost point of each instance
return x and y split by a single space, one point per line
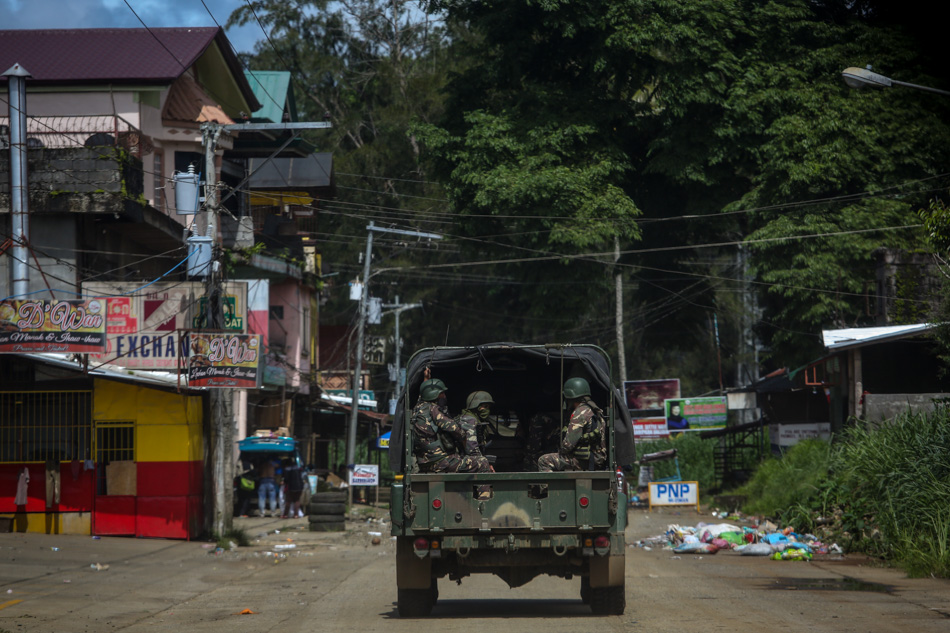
91 130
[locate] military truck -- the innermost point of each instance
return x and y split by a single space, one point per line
564 524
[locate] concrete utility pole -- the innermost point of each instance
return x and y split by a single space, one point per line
358 369
399 308
222 400
19 183
618 292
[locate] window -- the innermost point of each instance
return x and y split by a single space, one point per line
36 426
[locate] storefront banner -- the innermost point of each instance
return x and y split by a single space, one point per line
65 327
142 325
696 414
224 360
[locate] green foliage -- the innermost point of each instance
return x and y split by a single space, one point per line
788 482
880 489
695 458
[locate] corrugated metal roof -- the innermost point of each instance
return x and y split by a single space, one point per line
104 55
155 56
271 89
857 337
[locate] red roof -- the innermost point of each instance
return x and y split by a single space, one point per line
119 56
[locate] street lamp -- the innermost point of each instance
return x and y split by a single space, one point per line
864 77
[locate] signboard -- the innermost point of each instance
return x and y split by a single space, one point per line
646 429
366 399
141 324
66 327
786 435
364 475
224 360
674 493
695 414
648 395
375 351
383 440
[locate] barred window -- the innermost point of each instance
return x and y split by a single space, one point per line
39 426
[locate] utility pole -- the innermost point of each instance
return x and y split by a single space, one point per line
19 183
221 401
618 296
399 308
358 369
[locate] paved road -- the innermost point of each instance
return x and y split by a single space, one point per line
342 582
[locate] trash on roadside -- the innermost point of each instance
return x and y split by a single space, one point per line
98 567
55 549
696 548
285 546
792 553
755 549
247 612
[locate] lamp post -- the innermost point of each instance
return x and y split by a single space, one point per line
866 78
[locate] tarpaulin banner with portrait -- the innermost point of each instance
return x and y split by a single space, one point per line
696 414
65 327
645 397
224 360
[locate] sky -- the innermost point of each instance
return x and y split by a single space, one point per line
64 14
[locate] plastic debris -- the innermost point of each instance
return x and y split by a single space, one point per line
247 612
99 567
792 553
285 546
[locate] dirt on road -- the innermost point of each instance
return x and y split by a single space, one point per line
292 580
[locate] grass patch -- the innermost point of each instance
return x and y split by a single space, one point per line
235 535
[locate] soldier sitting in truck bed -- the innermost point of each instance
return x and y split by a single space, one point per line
584 445
438 439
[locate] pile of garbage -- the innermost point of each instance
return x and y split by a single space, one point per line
763 539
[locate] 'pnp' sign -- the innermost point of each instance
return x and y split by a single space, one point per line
674 493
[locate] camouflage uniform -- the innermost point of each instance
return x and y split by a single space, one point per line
584 445
436 438
472 460
543 438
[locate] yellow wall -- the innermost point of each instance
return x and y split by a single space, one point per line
167 425
51 522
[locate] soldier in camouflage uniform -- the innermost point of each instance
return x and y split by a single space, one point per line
437 437
584 445
474 422
543 437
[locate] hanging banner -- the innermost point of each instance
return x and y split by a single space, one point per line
648 429
65 327
224 360
142 322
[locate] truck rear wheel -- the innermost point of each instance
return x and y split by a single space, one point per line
416 603
608 600
585 589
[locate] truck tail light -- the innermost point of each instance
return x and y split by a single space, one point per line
583 502
602 541
437 503
421 544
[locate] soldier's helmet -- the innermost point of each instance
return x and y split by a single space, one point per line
477 398
431 389
576 388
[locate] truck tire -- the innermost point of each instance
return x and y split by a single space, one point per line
585 589
339 526
608 600
326 508
415 603
326 518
